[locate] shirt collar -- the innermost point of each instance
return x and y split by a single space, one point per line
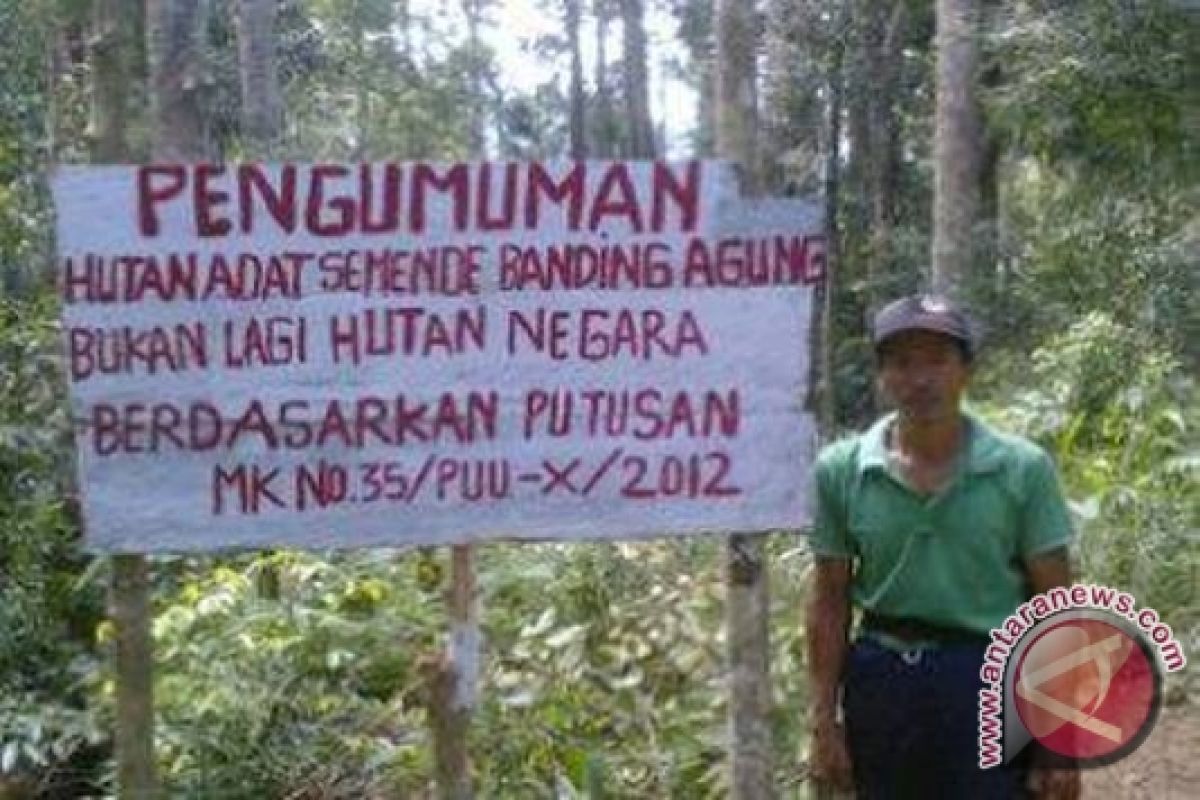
984 453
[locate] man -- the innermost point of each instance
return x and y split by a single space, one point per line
937 527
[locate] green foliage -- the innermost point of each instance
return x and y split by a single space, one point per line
534 126
603 673
1098 109
47 611
310 692
614 670
387 83
1122 418
1101 87
23 216
607 675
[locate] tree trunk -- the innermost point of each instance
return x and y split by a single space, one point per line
792 118
573 14
885 53
957 145
129 603
111 74
858 133
178 135
827 414
262 109
475 116
746 603
696 32
874 134
603 140
637 81
176 79
736 84
364 147
706 111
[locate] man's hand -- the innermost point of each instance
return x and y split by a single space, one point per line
1049 570
1045 572
830 758
1052 783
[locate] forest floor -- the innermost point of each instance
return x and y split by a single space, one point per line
1166 766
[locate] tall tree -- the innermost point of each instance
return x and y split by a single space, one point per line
858 91
262 109
174 48
793 104
957 144
572 17
885 50
603 119
363 105
473 9
695 18
830 146
877 38
112 70
129 606
737 87
637 79
747 599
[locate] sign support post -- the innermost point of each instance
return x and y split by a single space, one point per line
396 354
747 598
133 661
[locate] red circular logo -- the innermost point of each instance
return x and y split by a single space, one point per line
1087 689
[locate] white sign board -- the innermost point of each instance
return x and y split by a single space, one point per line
387 354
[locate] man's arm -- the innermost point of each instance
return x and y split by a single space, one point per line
1046 571
827 634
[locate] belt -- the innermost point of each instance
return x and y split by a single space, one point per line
911 629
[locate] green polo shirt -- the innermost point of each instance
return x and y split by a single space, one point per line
952 558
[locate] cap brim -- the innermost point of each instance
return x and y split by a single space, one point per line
932 324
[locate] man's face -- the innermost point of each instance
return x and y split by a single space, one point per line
924 374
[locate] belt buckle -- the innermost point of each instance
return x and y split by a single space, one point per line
912 656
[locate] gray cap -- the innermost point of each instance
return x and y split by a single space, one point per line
923 312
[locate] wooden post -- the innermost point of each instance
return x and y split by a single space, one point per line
129 606
170 45
746 602
455 682
452 682
129 610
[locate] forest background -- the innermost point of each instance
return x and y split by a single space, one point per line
305 675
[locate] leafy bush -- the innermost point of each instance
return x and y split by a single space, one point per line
47 610
312 692
1122 416
603 673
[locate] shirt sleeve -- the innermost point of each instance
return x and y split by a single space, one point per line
1047 522
830 536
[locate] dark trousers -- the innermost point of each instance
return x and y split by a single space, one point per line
912 725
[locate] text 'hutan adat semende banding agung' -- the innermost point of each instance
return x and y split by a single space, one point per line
352 355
